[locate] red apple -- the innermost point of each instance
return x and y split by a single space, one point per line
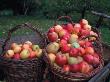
51 30
57 28
83 22
74 52
88 44
77 25
69 27
85 32
89 50
96 60
61 60
82 43
65 48
52 36
51 57
26 46
88 58
81 51
13 45
66 37
17 49
74 68
84 67
87 27
16 56
77 28
66 68
9 54
32 54
62 42
62 32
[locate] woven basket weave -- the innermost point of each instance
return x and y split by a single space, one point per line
30 70
57 74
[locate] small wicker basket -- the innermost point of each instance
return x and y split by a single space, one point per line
29 70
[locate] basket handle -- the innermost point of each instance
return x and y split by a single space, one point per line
25 25
62 17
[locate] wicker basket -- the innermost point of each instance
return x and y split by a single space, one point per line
1 70
57 74
30 70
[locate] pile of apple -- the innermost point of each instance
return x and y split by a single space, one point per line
23 51
68 51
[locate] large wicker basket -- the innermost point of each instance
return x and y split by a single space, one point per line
30 70
57 74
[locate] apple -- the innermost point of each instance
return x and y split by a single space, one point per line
66 68
17 49
32 54
85 32
88 58
29 43
51 30
51 57
87 27
62 32
9 54
74 68
77 28
81 51
61 60
73 38
72 60
69 27
52 47
24 54
66 37
39 52
89 50
65 48
52 36
77 25
62 42
26 46
35 47
81 43
16 56
88 44
80 59
84 67
75 45
93 33
13 45
57 28
74 52
96 60
83 22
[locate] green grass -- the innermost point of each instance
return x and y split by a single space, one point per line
8 22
